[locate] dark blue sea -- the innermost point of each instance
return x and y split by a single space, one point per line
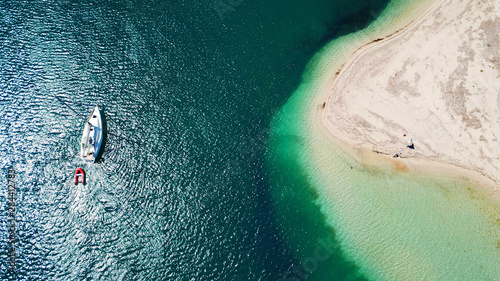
183 190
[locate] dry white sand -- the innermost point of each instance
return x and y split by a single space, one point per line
438 82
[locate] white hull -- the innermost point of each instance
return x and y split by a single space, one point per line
92 136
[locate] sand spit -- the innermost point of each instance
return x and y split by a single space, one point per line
437 82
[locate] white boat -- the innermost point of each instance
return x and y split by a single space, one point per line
92 137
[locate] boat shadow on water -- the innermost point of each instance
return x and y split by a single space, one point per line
98 157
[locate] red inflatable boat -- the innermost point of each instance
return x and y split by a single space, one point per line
79 176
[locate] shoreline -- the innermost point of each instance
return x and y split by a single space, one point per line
367 153
393 218
367 157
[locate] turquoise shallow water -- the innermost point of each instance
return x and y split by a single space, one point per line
182 192
388 225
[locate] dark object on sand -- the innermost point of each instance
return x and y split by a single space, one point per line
410 144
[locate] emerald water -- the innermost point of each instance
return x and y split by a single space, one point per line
189 89
387 225
210 170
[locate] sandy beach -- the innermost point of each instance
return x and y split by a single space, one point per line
436 82
431 214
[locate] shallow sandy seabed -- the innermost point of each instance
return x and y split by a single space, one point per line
437 82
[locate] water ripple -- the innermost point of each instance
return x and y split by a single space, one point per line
166 201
